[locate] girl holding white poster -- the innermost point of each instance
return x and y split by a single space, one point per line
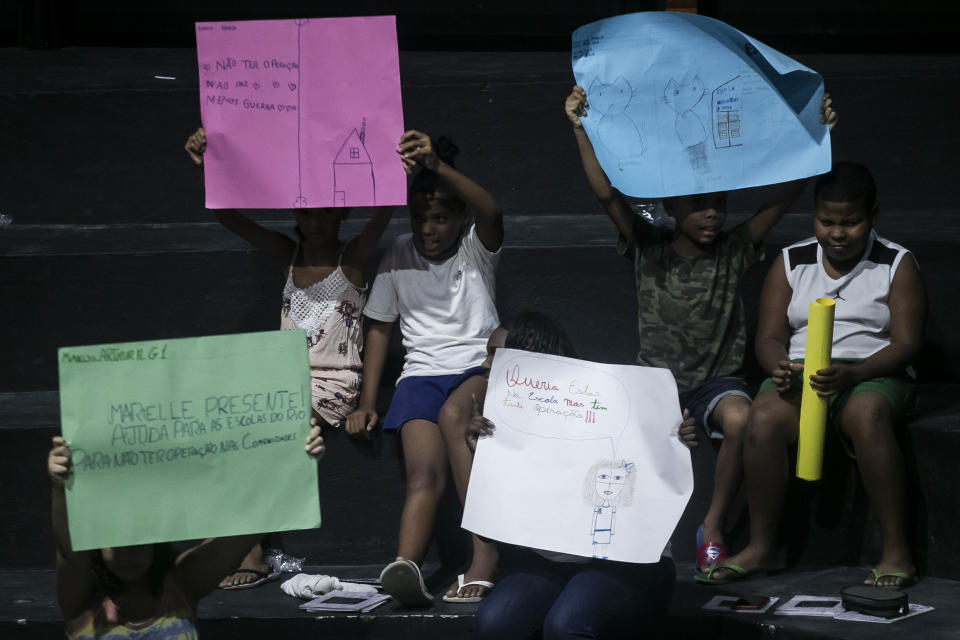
566 595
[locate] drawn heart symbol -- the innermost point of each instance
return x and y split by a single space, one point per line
256 85
292 86
276 85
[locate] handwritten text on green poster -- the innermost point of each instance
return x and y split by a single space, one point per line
190 438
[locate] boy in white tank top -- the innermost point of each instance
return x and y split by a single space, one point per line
877 335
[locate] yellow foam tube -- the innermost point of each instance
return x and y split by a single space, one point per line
813 408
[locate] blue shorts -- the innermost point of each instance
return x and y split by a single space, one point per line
703 399
421 397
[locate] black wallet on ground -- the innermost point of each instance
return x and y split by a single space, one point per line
875 601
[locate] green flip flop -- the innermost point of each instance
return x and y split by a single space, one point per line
739 574
907 579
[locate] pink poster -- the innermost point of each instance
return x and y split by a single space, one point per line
301 113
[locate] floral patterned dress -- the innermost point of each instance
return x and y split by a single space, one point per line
174 620
330 312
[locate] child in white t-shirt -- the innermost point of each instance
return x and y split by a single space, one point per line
439 281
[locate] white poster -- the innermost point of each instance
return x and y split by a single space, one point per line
585 458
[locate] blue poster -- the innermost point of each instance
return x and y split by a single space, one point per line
680 103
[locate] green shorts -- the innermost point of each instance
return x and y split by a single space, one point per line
900 391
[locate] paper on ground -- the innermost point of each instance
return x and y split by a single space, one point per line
681 103
722 603
853 616
190 438
346 601
585 459
827 606
301 113
832 607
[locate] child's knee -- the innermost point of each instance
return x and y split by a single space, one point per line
425 479
453 416
867 419
766 425
732 415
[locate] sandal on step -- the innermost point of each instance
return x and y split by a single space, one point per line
737 574
402 580
906 579
461 584
260 577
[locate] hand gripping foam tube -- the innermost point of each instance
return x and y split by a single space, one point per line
813 408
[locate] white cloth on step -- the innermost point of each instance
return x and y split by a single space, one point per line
304 585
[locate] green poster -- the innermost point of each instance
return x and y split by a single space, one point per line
191 438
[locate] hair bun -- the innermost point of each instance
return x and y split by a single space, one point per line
446 149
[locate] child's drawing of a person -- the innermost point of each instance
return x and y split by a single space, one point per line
608 484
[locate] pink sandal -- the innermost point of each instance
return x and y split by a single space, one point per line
708 553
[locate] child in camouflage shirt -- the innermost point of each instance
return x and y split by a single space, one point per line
690 315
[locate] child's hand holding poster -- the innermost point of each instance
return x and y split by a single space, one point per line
191 438
585 458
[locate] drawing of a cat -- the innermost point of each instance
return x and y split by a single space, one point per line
617 131
682 98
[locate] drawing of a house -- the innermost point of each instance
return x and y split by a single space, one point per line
353 181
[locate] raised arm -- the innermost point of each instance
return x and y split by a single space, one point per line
74 575
271 242
610 199
908 305
785 194
361 248
362 421
773 329
417 148
770 212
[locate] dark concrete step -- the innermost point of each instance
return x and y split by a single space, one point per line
106 298
503 109
589 228
686 619
97 285
28 611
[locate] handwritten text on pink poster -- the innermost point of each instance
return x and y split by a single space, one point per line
301 113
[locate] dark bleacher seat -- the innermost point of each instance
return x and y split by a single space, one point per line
105 249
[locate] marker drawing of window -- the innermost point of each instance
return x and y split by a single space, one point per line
726 114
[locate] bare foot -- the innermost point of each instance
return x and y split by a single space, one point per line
254 561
